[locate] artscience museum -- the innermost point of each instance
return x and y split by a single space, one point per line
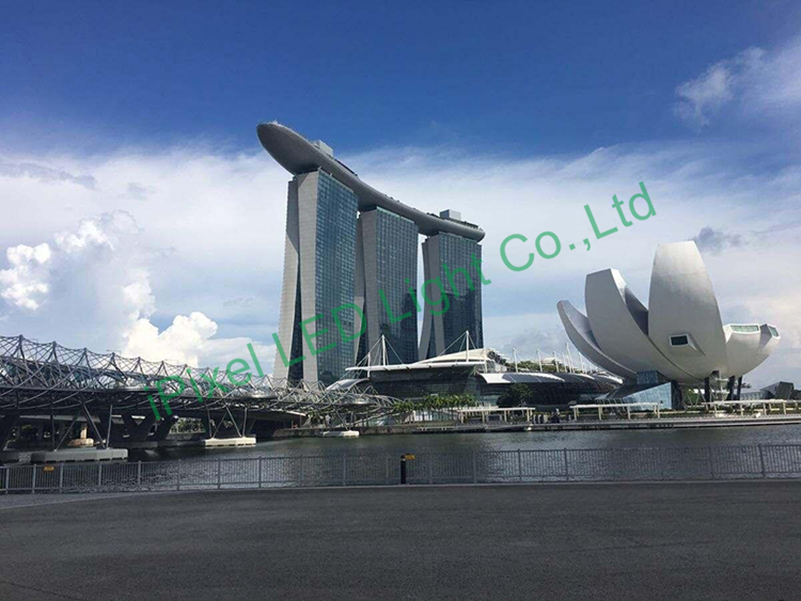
679 338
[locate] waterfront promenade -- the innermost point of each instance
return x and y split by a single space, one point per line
716 540
665 422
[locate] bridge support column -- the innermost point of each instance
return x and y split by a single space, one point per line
207 426
7 425
163 428
138 432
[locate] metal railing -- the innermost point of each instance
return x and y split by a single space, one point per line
563 465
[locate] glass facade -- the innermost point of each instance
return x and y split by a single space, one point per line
749 329
335 261
462 284
662 394
395 253
331 250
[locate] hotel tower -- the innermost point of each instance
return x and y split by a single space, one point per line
350 270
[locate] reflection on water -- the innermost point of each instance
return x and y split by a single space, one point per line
505 441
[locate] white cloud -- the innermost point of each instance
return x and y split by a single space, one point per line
192 271
717 86
101 271
24 284
190 339
755 83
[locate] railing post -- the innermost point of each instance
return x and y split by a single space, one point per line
344 469
519 466
178 485
762 461
33 479
5 478
567 471
475 471
138 474
260 472
61 478
219 474
99 474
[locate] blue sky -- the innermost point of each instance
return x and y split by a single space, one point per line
519 77
141 214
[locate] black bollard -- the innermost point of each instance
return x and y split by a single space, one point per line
403 469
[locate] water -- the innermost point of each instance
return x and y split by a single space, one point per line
501 441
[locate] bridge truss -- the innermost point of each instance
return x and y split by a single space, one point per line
47 378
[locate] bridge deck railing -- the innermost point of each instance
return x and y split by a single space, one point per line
559 465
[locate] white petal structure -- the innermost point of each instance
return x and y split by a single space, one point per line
684 304
748 345
579 331
680 335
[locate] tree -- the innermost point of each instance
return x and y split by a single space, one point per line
516 395
436 402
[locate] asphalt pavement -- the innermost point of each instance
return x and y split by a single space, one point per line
717 540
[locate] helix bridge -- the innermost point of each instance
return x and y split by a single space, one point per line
110 391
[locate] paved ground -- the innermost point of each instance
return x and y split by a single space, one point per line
724 540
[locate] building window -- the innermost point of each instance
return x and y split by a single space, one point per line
773 331
680 340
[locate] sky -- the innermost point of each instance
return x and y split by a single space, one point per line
142 216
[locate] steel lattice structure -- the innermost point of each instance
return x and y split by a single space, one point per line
47 377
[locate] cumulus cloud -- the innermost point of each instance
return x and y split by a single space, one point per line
24 284
102 271
190 339
755 82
